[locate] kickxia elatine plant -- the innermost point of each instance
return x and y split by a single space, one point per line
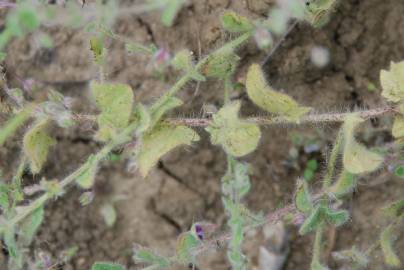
124 121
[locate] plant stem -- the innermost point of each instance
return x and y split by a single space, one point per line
123 137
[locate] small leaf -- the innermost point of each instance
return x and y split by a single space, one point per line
357 159
398 127
270 100
220 65
182 60
344 185
392 82
36 144
336 217
316 265
143 117
106 266
159 141
395 209
237 137
186 247
115 102
30 225
170 11
312 221
386 242
302 198
399 171
97 48
235 23
354 255
318 12
161 107
143 255
87 177
108 212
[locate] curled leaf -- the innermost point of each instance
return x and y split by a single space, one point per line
270 100
236 23
357 159
336 217
115 102
36 144
159 141
386 242
392 82
237 137
344 185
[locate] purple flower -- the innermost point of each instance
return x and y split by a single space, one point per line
199 232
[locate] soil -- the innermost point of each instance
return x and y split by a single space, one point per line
362 38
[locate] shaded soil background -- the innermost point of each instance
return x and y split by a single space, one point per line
362 37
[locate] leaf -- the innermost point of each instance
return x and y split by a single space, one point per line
143 117
182 60
159 141
317 11
336 217
357 159
97 48
392 82
344 185
354 255
87 177
235 23
161 107
108 212
302 197
36 144
106 266
143 255
395 209
170 11
399 171
386 242
237 137
270 100
4 199
30 225
115 102
316 265
312 221
185 248
398 127
13 124
220 65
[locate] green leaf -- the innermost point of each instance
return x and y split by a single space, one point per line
87 177
36 144
182 60
161 107
4 199
106 266
318 11
395 209
392 82
398 127
303 200
186 247
108 212
159 141
357 159
344 185
143 255
399 171
237 137
358 258
316 265
386 241
30 225
220 65
270 100
336 217
235 23
314 220
170 11
115 102
143 117
97 48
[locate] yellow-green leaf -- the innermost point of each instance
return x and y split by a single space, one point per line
386 242
270 100
398 127
161 107
237 137
392 82
36 144
87 177
115 102
303 200
159 141
236 23
344 185
357 159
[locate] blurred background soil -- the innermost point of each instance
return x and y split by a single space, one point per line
362 38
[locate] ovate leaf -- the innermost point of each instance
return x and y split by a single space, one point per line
314 220
108 212
398 127
357 159
237 137
392 82
36 144
344 185
302 197
143 255
87 177
115 102
270 100
186 247
30 225
386 241
235 23
159 141
182 60
336 217
106 266
220 65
